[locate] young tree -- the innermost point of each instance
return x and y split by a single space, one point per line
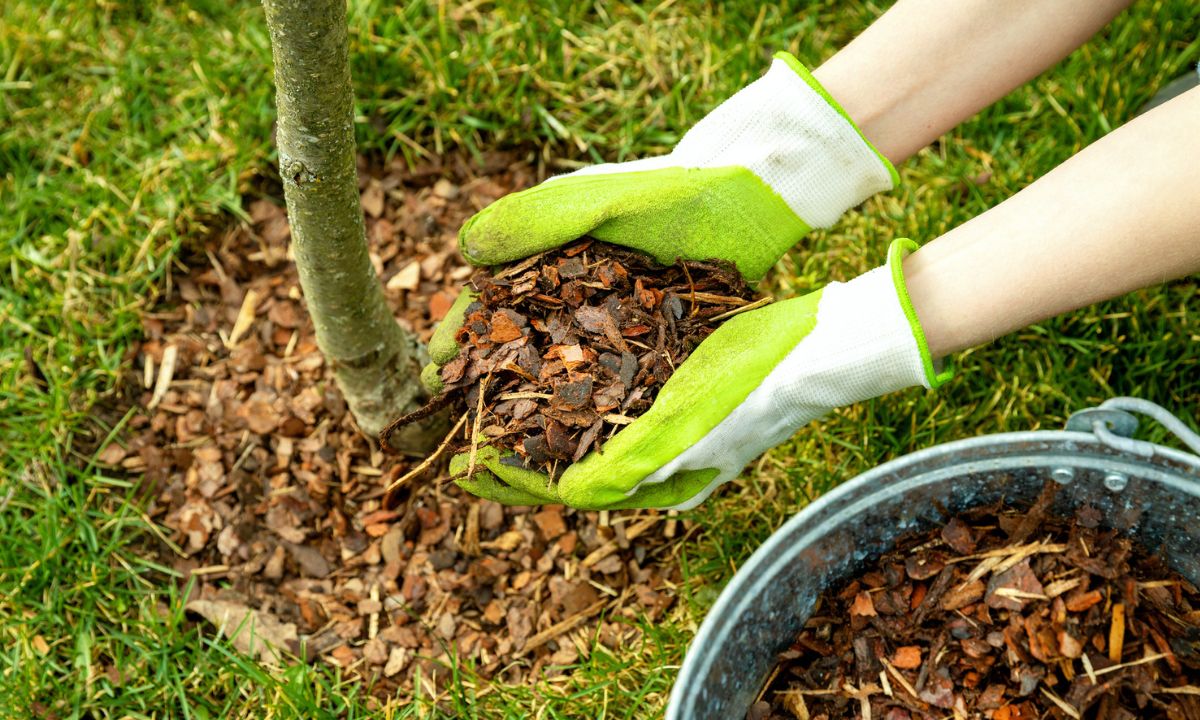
377 363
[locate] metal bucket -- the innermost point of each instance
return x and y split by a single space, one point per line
1151 492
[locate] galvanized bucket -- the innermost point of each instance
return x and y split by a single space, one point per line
1150 491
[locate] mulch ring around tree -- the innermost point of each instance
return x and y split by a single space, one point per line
273 500
1003 614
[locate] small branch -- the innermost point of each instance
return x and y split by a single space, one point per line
1113 668
475 425
524 396
420 413
429 460
761 302
560 627
691 288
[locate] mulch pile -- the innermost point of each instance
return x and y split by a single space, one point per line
1004 615
567 346
274 500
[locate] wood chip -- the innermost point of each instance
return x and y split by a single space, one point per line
1116 633
408 279
245 318
165 373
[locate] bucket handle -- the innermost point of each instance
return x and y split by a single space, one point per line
1113 424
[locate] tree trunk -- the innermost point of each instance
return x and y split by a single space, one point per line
377 363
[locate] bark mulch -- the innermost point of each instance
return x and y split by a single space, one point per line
562 349
1000 614
273 500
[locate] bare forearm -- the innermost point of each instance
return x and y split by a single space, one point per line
927 65
1121 215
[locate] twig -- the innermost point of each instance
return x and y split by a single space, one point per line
691 288
1062 704
469 543
429 460
373 623
420 413
559 628
1122 666
903 681
767 684
519 267
1087 666
883 682
1016 594
761 302
524 396
863 696
716 299
671 524
1059 587
475 426
1022 551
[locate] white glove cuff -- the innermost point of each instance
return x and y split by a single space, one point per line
861 347
789 132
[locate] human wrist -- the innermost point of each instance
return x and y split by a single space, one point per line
937 371
937 301
871 111
811 79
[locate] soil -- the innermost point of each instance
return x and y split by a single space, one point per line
1000 614
562 349
273 499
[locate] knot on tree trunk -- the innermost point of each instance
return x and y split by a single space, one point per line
296 172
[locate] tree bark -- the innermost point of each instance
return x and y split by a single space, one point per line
377 364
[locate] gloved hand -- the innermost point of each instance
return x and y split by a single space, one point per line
743 185
750 385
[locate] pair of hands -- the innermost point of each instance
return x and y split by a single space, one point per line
743 185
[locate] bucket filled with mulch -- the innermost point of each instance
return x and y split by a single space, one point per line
1025 575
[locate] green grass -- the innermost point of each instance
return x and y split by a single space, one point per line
127 129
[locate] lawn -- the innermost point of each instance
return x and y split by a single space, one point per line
130 130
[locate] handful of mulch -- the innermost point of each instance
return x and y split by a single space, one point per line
1003 615
563 348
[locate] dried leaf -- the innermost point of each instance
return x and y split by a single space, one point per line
312 562
253 632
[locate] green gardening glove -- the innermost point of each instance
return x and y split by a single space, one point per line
743 185
750 385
